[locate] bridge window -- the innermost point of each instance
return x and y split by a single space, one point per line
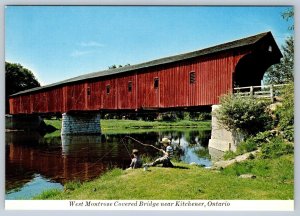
192 77
130 86
107 89
88 91
156 83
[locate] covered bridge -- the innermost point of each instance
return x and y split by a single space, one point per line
189 81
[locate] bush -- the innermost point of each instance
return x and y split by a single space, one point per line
288 133
285 113
204 116
263 137
244 114
229 155
276 148
247 146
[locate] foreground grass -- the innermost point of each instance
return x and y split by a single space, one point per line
274 180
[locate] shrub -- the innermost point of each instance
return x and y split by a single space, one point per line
288 133
263 137
276 148
229 155
204 116
247 146
244 114
285 113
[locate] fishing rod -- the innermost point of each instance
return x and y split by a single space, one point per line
122 140
143 143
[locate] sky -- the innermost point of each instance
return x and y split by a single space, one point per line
61 42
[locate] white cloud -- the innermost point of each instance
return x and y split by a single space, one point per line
77 53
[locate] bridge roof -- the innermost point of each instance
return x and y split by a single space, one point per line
248 41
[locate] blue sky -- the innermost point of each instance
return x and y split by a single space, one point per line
60 42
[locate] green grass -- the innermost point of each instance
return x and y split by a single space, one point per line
114 126
136 124
274 180
54 123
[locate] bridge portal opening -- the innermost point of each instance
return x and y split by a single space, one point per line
251 68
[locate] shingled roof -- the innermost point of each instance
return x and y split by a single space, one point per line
248 41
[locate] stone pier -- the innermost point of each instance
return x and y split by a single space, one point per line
222 139
80 123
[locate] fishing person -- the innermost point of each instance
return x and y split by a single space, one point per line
165 160
136 161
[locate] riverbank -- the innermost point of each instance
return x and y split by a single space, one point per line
274 180
271 178
117 126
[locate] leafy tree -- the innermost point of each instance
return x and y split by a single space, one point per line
284 71
289 15
17 78
115 66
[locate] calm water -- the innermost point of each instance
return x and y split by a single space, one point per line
35 163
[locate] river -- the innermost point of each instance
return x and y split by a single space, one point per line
35 163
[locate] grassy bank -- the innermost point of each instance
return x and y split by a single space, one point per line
274 180
108 125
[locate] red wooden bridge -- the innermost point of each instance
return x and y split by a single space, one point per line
186 81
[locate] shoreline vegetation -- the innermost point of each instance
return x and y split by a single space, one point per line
112 124
120 126
271 177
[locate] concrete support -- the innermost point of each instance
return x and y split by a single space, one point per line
23 122
222 139
80 123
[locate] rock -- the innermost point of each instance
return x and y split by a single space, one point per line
240 158
247 176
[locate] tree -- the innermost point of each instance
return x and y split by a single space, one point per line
284 71
17 78
115 66
289 15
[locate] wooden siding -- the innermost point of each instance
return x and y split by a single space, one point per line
213 77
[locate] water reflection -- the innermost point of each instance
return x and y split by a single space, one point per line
32 188
60 159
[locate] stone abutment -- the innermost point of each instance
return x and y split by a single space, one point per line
80 123
222 139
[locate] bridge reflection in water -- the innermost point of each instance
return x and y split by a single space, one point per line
29 156
61 158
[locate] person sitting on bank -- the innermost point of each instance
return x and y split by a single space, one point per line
168 153
136 161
